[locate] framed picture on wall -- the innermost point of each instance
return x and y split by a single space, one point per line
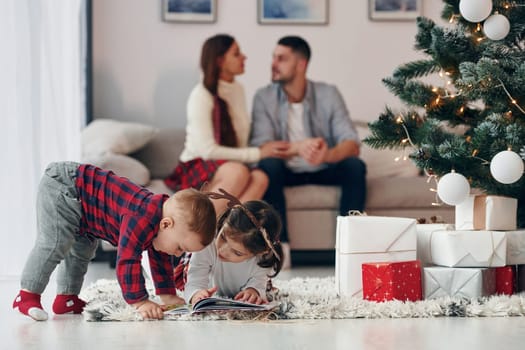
292 11
204 11
394 10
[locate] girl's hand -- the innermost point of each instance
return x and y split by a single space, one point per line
250 295
149 309
202 294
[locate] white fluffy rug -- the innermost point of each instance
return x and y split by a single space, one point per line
311 298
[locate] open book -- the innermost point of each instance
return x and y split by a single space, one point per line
217 304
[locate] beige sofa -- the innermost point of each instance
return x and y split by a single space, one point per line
393 189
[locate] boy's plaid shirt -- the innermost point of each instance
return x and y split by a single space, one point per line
128 216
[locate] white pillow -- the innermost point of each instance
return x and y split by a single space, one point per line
382 162
105 135
123 166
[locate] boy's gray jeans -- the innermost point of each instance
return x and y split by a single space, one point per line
59 213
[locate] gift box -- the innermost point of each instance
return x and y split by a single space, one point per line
361 239
482 212
424 232
505 280
384 281
458 282
515 247
468 248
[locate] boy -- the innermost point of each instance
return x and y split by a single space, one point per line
78 204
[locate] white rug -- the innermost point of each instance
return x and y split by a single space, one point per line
311 298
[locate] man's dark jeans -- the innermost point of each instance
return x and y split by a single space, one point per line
349 174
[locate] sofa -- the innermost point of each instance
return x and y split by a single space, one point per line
394 188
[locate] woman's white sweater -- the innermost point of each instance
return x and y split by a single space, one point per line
200 142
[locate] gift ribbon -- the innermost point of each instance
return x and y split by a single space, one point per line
491 242
359 213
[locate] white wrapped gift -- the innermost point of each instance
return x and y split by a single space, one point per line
468 248
458 282
515 247
482 212
362 239
424 232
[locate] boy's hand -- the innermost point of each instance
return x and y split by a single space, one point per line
171 299
249 295
202 294
149 309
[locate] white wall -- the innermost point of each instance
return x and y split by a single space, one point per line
144 68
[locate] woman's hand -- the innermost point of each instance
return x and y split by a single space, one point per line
149 309
250 295
202 294
275 149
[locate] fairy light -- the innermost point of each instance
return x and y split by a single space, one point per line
437 201
512 99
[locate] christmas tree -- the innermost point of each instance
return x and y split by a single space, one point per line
477 109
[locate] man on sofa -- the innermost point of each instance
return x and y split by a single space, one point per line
313 117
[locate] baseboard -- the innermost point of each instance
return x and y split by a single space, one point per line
313 257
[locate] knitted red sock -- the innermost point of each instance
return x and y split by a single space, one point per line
29 304
68 304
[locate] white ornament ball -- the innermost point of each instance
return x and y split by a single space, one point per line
496 27
506 167
475 10
453 188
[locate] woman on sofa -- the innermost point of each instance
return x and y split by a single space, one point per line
217 130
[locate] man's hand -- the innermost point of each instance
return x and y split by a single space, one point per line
149 309
313 150
170 299
202 294
249 295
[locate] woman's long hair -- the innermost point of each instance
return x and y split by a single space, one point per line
213 49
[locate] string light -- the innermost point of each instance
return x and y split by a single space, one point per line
437 201
512 99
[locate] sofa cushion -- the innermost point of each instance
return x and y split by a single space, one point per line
384 162
161 154
312 197
400 192
385 192
105 135
121 165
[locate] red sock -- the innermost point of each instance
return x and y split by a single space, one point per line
29 304
68 304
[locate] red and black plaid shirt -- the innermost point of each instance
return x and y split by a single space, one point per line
127 216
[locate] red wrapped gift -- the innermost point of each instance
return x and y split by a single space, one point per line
505 280
384 281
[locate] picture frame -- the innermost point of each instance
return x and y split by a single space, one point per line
394 10
190 11
292 12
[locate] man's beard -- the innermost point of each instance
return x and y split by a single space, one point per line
281 80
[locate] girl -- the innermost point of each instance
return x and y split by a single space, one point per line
242 257
216 148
